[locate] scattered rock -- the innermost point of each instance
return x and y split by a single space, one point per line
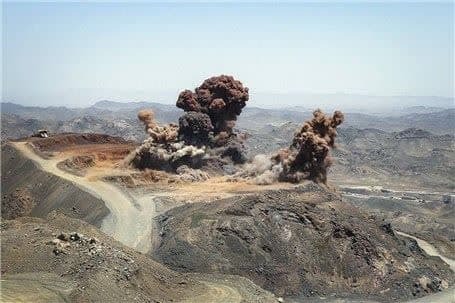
387 227
292 242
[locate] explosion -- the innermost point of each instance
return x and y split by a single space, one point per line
205 137
308 156
195 128
205 132
162 150
159 134
220 98
211 112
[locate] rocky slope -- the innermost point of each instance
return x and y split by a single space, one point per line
412 157
93 268
66 260
302 241
117 118
29 191
373 149
424 214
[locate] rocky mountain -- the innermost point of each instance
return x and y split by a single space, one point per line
294 241
14 126
61 259
101 109
436 120
416 148
41 113
29 191
298 242
411 156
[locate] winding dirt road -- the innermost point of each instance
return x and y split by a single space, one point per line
129 221
430 249
216 292
447 296
38 287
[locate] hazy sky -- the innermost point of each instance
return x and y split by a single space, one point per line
78 53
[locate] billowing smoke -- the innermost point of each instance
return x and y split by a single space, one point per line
167 156
308 156
195 128
159 134
221 98
205 137
211 112
192 175
162 150
205 132
261 170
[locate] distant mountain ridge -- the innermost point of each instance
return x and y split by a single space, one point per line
353 102
121 117
115 106
415 146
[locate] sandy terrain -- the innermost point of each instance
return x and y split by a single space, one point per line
128 222
132 212
92 267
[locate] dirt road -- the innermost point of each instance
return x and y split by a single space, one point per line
430 249
447 296
39 287
130 220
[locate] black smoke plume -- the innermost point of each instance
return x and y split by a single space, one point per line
211 112
205 134
195 128
222 98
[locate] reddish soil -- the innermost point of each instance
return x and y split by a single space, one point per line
63 142
80 152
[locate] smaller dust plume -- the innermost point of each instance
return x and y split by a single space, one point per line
307 158
159 134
